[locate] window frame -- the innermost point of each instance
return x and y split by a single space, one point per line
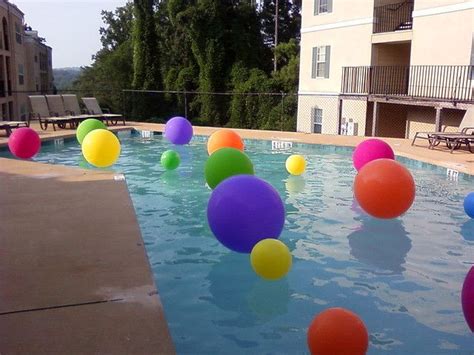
320 62
322 7
18 34
21 74
316 115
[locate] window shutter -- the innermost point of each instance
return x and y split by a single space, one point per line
329 5
314 63
328 61
316 7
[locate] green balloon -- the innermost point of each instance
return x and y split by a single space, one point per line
86 126
224 163
170 160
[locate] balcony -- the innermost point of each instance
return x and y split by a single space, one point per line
393 17
452 83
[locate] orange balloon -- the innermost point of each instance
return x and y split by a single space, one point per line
337 331
224 138
384 188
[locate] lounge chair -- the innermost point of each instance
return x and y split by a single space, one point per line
41 112
433 137
93 108
455 141
71 106
56 105
8 126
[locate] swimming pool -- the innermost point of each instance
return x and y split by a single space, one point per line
402 277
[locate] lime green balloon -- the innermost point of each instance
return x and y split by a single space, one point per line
224 163
86 126
170 160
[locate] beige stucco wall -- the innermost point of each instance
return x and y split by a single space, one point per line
354 110
426 4
443 39
391 54
329 106
422 119
359 9
350 46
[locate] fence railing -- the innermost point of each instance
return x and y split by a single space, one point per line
393 17
447 82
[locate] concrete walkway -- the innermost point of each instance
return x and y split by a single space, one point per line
74 275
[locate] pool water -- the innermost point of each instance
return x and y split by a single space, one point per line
403 277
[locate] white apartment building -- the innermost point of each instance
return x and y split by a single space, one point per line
389 67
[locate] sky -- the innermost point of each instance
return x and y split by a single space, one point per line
71 27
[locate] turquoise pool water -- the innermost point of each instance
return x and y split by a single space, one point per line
403 277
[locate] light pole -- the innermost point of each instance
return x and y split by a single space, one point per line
276 37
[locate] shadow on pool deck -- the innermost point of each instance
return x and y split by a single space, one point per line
74 273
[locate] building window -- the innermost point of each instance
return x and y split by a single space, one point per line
18 33
21 74
320 63
36 59
317 119
23 112
322 6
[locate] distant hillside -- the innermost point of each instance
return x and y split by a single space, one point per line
64 77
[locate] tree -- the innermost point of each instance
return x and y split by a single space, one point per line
146 67
289 20
112 70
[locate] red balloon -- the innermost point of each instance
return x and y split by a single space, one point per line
384 188
337 331
24 143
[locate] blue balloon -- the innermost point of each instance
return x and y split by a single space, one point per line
243 210
469 204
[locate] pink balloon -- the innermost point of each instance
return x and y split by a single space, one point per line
467 298
371 149
24 143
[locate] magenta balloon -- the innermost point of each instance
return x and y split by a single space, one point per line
178 130
24 143
243 210
467 298
371 149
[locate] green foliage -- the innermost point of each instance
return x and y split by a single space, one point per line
65 77
205 46
146 69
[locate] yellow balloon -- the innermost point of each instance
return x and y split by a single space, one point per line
295 164
271 259
101 148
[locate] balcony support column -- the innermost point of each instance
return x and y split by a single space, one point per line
438 122
375 117
339 116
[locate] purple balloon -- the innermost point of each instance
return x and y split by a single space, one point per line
467 298
243 210
178 130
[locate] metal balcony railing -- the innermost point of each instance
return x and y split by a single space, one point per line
442 82
393 17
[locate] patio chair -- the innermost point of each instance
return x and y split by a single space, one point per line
41 112
56 105
8 126
435 138
71 106
454 141
93 108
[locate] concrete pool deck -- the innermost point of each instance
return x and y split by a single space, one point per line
74 275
